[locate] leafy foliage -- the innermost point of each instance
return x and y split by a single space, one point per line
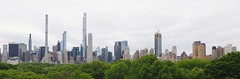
225 67
148 67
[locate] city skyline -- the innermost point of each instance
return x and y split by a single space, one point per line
214 23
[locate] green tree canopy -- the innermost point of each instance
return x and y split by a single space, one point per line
96 69
225 67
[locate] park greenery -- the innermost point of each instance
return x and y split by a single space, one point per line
148 67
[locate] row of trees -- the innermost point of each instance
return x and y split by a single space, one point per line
148 67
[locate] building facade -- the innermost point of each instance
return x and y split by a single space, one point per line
199 50
158 44
89 51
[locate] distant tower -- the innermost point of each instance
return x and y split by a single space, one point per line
58 46
65 54
158 44
30 44
174 50
5 53
89 51
46 39
199 50
85 34
46 35
119 49
126 53
64 41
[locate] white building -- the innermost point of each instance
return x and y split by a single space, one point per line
89 50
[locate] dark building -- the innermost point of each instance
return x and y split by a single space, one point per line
13 50
109 56
58 46
119 49
75 52
81 53
105 54
41 53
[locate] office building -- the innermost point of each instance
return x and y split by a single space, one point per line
58 46
199 50
158 44
81 54
41 53
84 35
119 49
75 53
136 55
143 52
217 52
105 54
174 49
126 53
184 56
89 51
110 56
14 50
151 51
214 52
5 53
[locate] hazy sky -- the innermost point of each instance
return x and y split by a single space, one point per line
214 22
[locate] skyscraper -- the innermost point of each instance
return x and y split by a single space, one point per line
199 50
90 45
220 51
85 34
214 52
13 50
30 44
174 50
109 56
229 48
105 54
65 53
64 41
81 53
75 52
126 53
136 55
119 49
5 53
46 40
158 44
58 46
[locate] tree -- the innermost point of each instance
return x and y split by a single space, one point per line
15 74
6 66
77 74
61 71
192 63
226 66
96 69
117 71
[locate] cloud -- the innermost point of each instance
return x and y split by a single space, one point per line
214 22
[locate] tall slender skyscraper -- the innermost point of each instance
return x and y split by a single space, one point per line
85 34
64 41
158 44
46 34
30 44
89 51
46 40
65 53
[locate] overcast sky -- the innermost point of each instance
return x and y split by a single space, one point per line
214 22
